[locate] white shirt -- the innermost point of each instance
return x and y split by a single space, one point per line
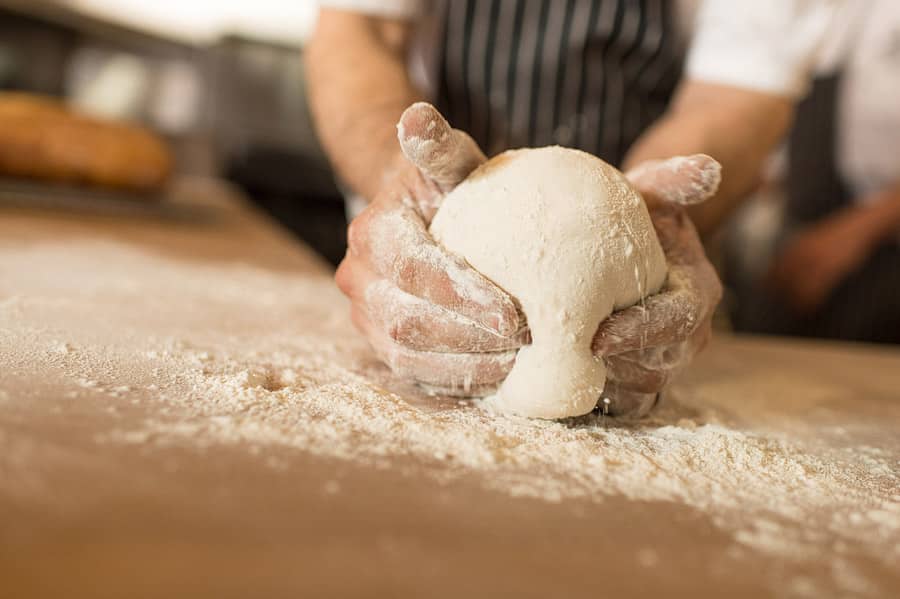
769 46
868 144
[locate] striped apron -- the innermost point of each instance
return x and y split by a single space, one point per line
588 74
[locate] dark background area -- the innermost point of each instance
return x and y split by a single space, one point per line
251 124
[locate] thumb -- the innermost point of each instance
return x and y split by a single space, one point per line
443 154
682 180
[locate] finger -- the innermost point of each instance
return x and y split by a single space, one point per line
678 236
413 322
461 371
455 391
443 154
420 325
664 318
661 358
682 180
621 401
393 238
688 299
353 276
635 377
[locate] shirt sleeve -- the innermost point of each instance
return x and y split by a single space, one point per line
402 9
765 45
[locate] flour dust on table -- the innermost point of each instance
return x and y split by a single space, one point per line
265 362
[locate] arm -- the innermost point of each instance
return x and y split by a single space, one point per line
821 256
403 287
747 63
359 87
738 127
646 345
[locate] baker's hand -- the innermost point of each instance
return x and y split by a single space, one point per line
818 258
646 344
429 316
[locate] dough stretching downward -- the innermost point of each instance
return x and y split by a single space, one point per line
567 235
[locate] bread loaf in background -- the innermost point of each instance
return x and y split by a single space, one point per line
42 139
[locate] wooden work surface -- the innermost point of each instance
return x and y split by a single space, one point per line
162 434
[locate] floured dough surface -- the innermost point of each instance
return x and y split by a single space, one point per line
567 236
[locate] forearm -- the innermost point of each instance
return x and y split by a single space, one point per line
358 88
737 127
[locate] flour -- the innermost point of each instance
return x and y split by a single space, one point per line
256 359
566 235
475 300
773 494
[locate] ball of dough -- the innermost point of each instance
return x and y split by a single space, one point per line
566 235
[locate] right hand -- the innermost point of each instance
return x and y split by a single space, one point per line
429 316
645 345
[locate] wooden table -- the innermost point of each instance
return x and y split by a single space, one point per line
171 424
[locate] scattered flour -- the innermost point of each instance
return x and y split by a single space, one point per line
233 366
770 493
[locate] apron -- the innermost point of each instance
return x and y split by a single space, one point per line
588 74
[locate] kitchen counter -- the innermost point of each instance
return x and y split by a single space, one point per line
185 410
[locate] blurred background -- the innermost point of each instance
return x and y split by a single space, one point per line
220 80
221 83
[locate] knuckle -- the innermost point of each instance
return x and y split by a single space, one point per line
718 290
715 287
682 313
356 233
406 271
693 317
399 328
343 278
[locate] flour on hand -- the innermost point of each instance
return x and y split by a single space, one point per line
567 236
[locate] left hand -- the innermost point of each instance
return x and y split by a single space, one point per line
818 258
646 344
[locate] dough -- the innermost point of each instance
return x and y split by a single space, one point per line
567 236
